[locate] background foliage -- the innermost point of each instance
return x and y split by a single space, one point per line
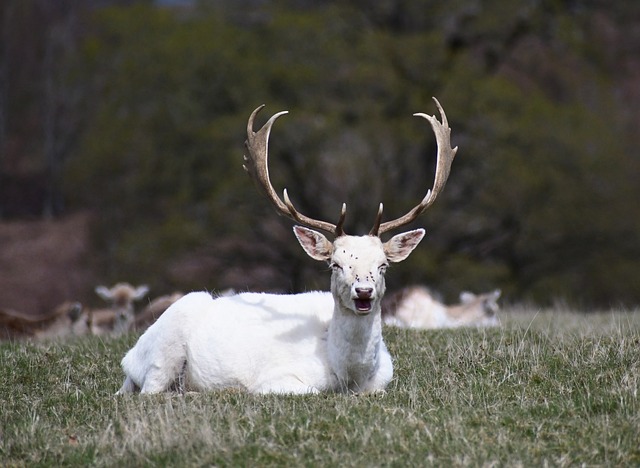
137 112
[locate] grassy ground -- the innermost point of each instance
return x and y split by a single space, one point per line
548 388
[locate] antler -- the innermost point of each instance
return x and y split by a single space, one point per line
443 167
256 164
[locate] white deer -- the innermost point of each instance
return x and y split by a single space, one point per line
416 307
301 343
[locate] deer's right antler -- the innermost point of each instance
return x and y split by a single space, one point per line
256 164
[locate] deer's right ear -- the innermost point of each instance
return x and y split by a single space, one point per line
140 292
315 244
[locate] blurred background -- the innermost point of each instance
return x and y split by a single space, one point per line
122 126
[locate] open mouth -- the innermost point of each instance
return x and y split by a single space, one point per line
363 306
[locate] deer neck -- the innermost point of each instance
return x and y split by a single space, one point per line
124 318
353 346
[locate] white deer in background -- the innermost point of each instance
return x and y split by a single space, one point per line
416 307
301 343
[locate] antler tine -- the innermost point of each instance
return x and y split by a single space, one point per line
340 226
445 157
376 223
256 165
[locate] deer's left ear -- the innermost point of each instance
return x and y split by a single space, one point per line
140 292
315 244
401 245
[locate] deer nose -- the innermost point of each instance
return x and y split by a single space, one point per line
364 293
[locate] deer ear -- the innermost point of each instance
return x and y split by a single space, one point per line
140 292
315 244
104 293
401 245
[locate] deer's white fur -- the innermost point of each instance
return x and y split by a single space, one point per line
153 310
266 343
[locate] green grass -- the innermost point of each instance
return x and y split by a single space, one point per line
554 388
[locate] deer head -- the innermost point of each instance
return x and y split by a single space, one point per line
358 263
121 297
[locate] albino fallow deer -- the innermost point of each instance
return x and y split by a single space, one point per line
152 311
416 307
300 343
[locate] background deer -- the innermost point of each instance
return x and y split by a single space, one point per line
67 319
301 343
154 309
416 307
72 319
119 318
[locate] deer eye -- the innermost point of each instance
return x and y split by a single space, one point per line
335 267
383 268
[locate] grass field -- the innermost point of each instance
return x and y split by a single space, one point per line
548 388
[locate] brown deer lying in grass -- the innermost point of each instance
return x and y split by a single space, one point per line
300 343
72 319
152 311
68 319
416 307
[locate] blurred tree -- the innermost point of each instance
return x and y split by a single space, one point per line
5 18
541 199
39 100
